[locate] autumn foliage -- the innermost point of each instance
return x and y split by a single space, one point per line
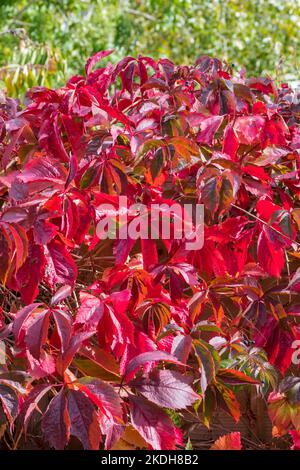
110 341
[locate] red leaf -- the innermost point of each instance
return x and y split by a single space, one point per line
84 422
20 321
56 422
235 377
44 232
36 331
40 174
31 273
149 253
101 357
230 441
209 126
74 345
94 59
230 142
269 256
104 396
63 322
151 356
42 367
167 388
60 265
152 424
31 403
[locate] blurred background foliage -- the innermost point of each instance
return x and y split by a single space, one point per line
43 42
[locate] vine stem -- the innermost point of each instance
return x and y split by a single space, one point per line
265 223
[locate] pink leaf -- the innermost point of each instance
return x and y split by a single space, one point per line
62 293
181 347
249 129
296 440
90 311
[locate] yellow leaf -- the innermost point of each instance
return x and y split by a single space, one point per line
130 440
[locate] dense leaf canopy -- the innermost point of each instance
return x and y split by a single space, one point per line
110 340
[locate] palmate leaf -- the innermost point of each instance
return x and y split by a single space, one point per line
253 362
167 388
31 327
70 412
155 316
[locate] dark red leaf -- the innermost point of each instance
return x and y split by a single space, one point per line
56 422
167 388
84 422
